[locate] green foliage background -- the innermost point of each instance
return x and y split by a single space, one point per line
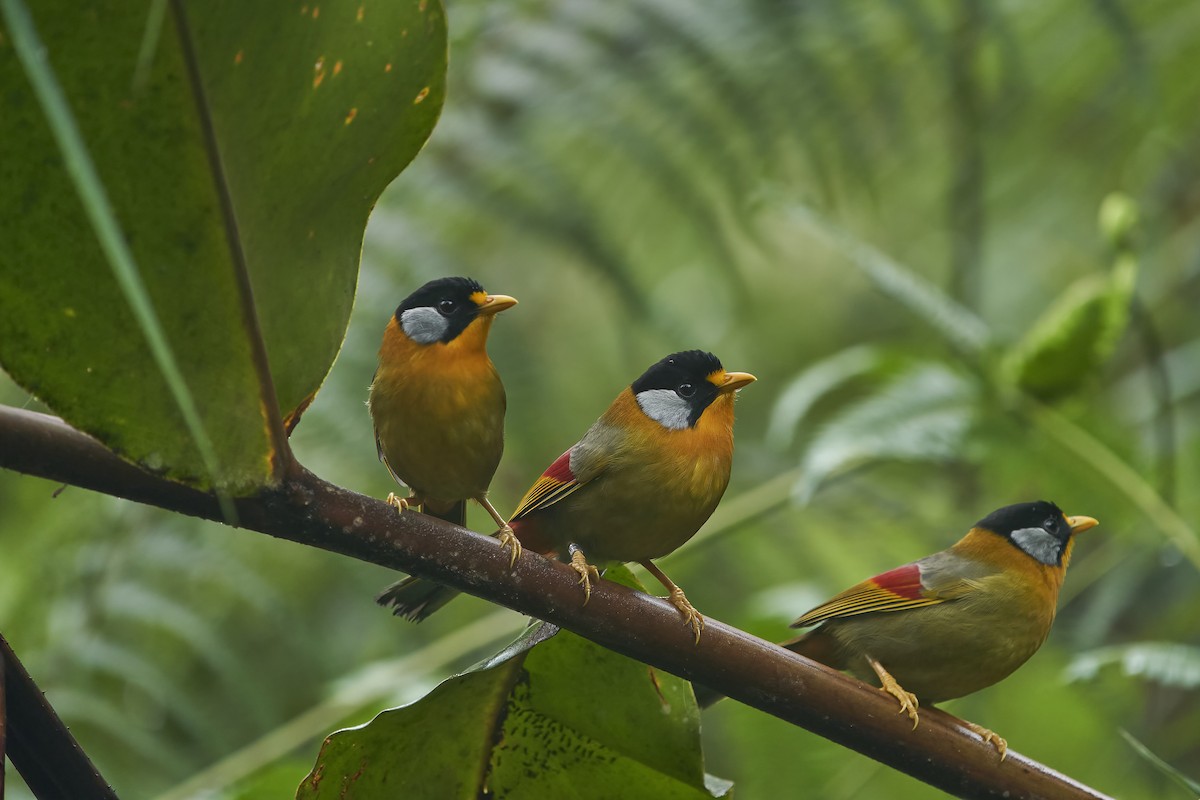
657 175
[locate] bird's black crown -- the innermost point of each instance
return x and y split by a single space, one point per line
1041 514
451 297
688 366
432 293
686 374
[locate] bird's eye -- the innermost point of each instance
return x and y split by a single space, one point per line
685 390
1050 525
447 307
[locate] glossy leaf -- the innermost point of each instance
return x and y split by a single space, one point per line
553 715
315 110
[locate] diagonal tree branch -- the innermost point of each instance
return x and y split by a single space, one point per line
311 511
52 763
3 721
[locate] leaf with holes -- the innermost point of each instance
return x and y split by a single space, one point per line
314 108
553 715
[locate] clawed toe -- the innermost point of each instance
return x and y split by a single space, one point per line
509 540
691 616
989 737
586 573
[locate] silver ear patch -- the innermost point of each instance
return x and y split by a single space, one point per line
424 325
665 407
1039 544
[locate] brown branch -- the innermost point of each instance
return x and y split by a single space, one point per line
3 720
52 763
308 510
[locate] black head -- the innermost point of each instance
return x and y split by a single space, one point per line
440 310
1039 529
675 391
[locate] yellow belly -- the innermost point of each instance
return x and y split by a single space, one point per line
440 433
948 650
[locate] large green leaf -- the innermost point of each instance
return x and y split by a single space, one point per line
553 715
315 109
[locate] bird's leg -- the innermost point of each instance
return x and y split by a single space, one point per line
989 737
678 599
402 504
586 571
507 537
908 700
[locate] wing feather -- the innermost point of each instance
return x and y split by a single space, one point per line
895 590
556 483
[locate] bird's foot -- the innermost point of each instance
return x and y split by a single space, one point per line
691 616
908 700
676 598
586 572
401 504
989 737
509 539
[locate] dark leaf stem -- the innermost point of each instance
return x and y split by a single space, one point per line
39 745
308 510
283 460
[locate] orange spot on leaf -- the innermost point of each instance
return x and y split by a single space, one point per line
361 12
421 6
237 59
337 67
350 117
421 95
387 67
319 68
316 12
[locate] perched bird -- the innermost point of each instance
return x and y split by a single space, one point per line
954 622
438 403
639 484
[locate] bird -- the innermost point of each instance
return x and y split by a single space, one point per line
638 484
437 401
954 622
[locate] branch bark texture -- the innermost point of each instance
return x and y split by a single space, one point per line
309 510
39 745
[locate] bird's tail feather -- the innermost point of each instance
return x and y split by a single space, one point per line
457 513
414 598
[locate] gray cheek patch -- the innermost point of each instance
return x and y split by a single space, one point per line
424 325
1039 544
665 407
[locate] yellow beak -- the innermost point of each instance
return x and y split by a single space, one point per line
495 303
735 381
1081 524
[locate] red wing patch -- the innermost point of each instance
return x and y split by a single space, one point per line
903 581
560 470
894 590
556 483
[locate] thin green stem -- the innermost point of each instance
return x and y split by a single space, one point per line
1123 477
82 170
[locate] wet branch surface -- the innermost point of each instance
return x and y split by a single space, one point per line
309 510
38 743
